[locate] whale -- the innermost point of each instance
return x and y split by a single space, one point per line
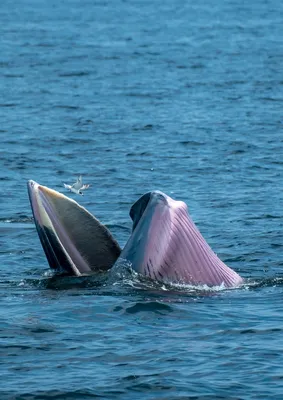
165 244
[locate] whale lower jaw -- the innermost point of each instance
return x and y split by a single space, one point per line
165 244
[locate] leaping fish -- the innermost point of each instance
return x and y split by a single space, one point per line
77 187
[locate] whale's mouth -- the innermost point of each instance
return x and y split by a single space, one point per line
140 206
165 244
72 238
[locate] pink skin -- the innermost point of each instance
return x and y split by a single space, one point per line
171 248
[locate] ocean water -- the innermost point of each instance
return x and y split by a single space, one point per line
185 97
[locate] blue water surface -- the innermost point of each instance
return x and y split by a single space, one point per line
185 97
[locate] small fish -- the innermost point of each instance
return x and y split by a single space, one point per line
77 187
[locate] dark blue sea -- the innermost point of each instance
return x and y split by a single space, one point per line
184 97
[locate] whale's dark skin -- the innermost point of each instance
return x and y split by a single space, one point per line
72 238
164 245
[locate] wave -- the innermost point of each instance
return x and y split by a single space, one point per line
123 280
16 219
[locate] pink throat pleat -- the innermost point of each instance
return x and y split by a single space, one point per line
177 252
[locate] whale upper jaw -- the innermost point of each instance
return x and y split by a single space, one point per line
72 238
54 251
